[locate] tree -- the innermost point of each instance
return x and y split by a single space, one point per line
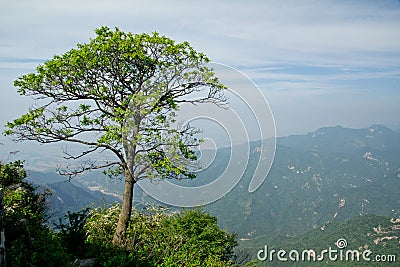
120 93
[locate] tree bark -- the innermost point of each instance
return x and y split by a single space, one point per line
126 209
127 198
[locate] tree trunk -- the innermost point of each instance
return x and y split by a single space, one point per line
126 209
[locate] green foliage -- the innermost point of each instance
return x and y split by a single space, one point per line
158 238
11 173
202 234
72 233
37 247
29 242
26 119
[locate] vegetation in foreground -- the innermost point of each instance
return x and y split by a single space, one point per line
155 237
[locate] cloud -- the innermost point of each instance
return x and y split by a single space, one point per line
310 32
293 49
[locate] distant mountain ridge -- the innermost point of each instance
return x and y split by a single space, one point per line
338 139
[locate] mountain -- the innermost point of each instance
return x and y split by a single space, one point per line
345 140
66 195
331 174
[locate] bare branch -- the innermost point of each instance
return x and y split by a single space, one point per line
84 153
83 167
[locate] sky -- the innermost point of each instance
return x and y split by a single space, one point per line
317 63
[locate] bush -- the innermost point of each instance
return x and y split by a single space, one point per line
72 234
29 241
156 237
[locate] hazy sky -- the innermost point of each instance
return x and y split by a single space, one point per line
318 63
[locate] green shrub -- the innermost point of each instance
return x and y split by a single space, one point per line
29 241
72 234
158 238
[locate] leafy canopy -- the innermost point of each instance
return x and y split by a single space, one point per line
120 92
